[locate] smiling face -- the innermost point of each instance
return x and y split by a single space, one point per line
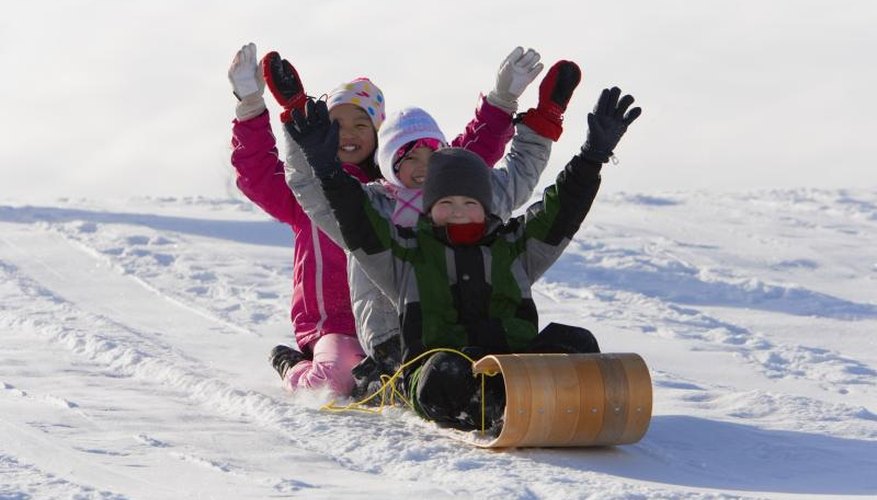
412 167
357 139
456 210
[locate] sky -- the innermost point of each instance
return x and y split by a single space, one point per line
113 99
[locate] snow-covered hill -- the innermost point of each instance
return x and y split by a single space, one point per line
135 335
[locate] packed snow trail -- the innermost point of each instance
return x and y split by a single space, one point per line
134 344
138 345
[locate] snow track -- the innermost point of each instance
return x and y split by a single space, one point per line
133 357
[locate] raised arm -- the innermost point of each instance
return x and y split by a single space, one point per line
308 191
491 129
254 151
564 206
516 177
363 230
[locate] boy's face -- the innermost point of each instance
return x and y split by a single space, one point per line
357 140
412 167
456 210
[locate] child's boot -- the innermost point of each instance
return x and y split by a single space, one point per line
283 358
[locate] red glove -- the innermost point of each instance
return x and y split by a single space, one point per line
284 83
555 91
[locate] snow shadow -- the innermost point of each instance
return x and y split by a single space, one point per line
682 285
702 453
268 233
647 200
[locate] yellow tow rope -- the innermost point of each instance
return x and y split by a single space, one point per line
389 392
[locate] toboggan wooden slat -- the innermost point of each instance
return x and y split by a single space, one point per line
571 399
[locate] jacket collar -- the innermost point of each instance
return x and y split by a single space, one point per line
356 172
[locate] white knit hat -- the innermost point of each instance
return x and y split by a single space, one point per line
400 128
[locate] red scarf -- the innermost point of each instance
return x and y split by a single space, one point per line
465 234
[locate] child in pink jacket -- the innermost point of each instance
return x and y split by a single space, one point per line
321 313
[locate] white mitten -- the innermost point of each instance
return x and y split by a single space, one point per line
515 73
247 83
243 73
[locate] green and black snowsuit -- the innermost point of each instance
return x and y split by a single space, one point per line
464 296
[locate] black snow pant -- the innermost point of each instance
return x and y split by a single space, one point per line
446 391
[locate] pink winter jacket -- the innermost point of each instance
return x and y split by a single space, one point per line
320 293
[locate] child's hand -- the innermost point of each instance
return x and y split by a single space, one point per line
607 124
245 79
555 91
284 83
317 136
516 72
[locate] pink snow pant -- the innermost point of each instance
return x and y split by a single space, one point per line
334 356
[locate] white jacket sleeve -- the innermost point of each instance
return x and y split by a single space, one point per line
374 313
516 176
306 188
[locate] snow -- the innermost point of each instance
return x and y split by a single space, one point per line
135 334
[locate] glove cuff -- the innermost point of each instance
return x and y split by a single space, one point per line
250 107
545 121
247 87
297 102
503 102
594 156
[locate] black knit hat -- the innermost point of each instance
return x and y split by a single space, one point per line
456 172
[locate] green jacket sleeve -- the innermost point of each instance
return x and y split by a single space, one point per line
549 225
366 234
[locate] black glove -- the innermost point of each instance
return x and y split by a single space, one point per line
607 124
317 136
